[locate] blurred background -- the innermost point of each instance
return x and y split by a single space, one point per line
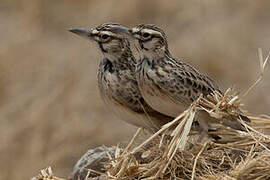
50 109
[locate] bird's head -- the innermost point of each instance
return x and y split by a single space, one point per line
150 40
109 41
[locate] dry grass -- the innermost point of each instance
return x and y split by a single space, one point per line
236 155
46 174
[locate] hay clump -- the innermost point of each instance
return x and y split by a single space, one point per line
177 155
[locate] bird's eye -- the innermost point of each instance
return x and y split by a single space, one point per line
146 35
104 36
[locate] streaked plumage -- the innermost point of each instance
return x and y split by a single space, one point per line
116 79
167 84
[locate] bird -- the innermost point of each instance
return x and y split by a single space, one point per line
117 82
167 84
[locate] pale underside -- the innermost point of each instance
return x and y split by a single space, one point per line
119 90
162 102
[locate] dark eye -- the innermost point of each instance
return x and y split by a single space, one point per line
146 35
104 36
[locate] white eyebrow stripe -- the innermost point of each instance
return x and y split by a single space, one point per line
106 32
150 31
135 30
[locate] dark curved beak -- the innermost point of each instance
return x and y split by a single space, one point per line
85 33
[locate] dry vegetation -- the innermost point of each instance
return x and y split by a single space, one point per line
49 98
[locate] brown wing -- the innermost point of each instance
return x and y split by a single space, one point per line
184 82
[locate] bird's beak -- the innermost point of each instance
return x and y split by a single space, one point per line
85 33
122 30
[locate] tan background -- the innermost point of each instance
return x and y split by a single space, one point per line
50 109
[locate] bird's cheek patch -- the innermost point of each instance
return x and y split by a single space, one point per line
152 44
112 45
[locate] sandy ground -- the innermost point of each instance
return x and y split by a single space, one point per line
50 109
